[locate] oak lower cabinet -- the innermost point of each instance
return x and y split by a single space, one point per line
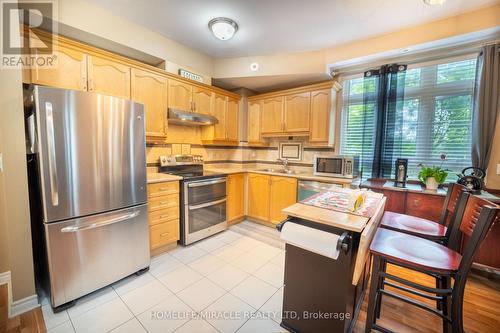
235 197
283 194
151 90
268 195
163 211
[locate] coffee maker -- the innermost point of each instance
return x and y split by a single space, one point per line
401 172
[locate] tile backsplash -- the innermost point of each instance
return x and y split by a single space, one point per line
232 154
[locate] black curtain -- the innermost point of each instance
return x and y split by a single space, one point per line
388 120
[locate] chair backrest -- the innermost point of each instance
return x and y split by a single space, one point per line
450 203
478 217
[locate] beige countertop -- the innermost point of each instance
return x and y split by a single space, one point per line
328 217
303 175
155 177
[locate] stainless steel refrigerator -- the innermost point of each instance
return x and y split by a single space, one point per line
87 177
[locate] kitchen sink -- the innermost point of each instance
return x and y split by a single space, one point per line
288 172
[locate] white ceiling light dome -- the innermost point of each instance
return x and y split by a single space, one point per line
223 28
434 2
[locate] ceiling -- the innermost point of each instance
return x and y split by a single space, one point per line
281 26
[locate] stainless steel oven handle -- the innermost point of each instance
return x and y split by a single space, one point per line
208 204
101 224
210 182
51 147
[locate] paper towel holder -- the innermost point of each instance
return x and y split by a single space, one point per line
342 243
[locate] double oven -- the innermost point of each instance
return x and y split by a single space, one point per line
203 197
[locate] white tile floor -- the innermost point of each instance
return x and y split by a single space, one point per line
230 282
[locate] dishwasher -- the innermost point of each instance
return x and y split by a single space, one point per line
307 189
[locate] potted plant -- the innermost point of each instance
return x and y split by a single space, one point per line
433 176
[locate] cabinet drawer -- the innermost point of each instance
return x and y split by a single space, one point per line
159 189
163 215
164 233
166 201
424 205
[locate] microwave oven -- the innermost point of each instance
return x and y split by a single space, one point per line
336 166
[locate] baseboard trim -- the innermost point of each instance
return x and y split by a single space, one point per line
24 305
5 278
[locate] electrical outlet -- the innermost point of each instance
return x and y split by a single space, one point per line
498 169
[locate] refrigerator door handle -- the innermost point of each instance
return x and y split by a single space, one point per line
51 145
101 224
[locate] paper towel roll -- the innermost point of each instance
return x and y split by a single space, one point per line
310 239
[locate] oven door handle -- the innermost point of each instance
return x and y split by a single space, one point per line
211 203
211 182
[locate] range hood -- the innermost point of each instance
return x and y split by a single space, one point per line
179 117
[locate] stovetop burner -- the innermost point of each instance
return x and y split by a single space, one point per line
189 167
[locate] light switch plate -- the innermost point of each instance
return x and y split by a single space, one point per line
1 162
498 169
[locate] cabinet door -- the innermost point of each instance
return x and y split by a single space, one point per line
220 108
150 89
254 122
233 109
70 73
272 115
235 196
297 110
108 77
283 194
320 115
202 100
258 196
179 95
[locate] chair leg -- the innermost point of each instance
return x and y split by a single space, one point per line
445 283
439 285
457 324
380 287
372 297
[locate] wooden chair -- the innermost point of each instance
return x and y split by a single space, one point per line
424 228
432 258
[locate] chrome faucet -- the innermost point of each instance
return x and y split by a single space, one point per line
284 161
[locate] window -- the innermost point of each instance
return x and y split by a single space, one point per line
433 118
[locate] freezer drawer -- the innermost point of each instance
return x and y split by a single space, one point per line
89 253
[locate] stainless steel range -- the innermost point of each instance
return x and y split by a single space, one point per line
203 197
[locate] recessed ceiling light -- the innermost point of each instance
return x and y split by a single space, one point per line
223 28
254 66
434 2
405 50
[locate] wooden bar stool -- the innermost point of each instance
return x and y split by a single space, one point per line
425 256
424 228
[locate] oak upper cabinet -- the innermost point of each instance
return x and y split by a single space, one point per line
297 110
106 76
233 109
283 194
258 196
180 95
202 100
219 112
253 121
320 115
151 90
272 115
70 73
235 196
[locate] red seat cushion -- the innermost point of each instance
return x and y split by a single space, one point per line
414 251
413 225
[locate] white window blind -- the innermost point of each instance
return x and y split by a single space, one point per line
433 118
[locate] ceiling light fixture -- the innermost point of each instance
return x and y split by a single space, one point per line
223 28
434 2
